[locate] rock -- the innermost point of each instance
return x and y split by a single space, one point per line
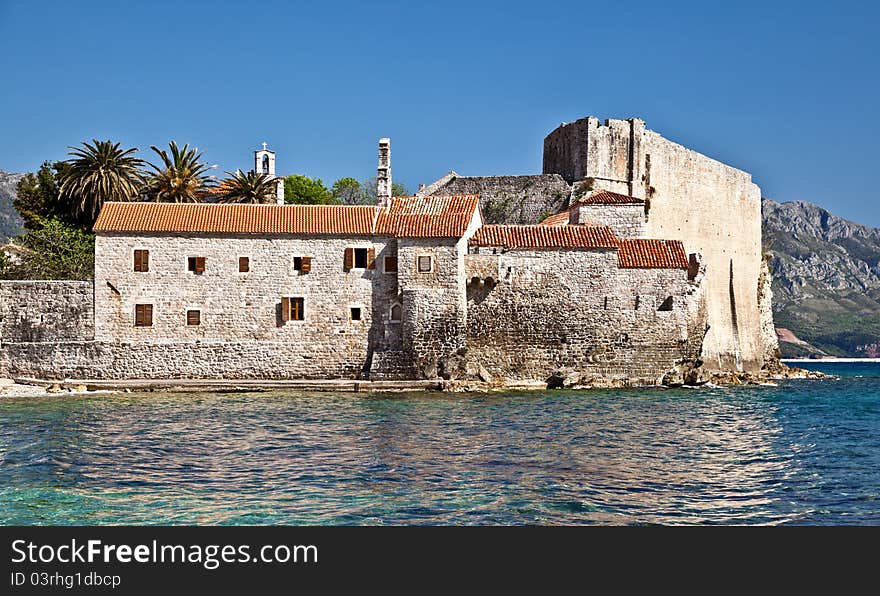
54 388
484 375
80 388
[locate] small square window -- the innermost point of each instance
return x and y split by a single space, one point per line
193 317
196 265
425 263
244 264
355 313
293 309
390 264
297 263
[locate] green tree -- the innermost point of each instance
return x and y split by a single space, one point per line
180 178
100 172
53 250
369 190
348 191
248 188
38 197
302 190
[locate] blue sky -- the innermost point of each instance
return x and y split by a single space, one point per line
784 90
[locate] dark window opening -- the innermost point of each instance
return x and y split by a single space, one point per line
390 264
142 260
143 315
360 258
193 317
355 313
297 263
196 264
667 304
244 264
605 303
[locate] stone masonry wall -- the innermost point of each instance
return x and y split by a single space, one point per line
627 221
513 199
238 307
46 311
576 309
714 209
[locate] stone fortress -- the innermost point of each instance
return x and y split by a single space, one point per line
650 260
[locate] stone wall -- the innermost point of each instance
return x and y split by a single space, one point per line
712 208
46 311
512 199
627 221
575 309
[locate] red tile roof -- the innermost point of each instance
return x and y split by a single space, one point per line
445 216
543 237
236 218
432 216
647 253
559 219
605 197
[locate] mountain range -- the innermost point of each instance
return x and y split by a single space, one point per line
826 276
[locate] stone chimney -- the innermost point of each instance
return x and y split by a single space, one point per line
383 173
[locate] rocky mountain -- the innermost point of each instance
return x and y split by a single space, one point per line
10 222
826 280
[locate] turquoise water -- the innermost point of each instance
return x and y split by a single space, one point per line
806 452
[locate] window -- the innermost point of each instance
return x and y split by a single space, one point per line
142 260
302 264
666 305
293 309
193 318
425 263
196 265
390 264
244 264
355 313
396 313
265 164
143 315
359 258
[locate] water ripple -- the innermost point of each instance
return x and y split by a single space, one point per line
803 453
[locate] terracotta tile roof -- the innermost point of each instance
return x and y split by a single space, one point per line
646 253
431 216
236 218
543 237
605 197
560 219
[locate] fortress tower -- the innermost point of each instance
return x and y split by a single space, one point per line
713 208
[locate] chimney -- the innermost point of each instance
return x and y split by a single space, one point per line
383 173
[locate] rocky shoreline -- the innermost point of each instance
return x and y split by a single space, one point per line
686 374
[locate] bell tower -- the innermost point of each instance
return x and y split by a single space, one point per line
264 163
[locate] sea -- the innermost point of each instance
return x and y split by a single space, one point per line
805 452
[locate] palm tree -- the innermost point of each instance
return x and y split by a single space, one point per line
100 172
181 178
248 188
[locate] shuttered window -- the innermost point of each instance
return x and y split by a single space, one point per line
193 317
142 260
196 265
302 264
143 315
293 309
244 264
390 264
359 258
